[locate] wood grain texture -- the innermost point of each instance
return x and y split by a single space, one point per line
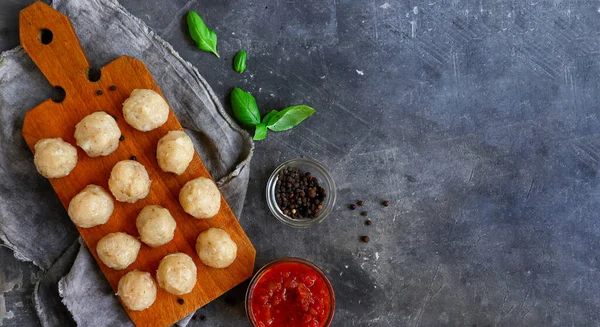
64 64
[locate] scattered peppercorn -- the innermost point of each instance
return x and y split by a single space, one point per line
364 213
134 158
180 301
112 88
386 203
360 203
353 206
99 92
122 138
365 239
368 222
298 194
194 317
202 317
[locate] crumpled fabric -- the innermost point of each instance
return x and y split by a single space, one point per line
33 222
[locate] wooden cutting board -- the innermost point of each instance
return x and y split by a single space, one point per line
64 64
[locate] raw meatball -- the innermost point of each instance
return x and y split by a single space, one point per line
91 207
200 198
137 290
118 250
98 134
216 248
176 273
175 152
129 181
155 225
54 158
145 110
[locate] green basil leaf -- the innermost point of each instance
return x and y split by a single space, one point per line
239 61
260 132
206 39
270 116
244 107
289 117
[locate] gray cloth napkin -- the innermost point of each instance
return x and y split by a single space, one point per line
33 222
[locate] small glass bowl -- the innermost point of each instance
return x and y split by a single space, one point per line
276 262
325 181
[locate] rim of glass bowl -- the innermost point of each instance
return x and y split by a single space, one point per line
275 262
327 183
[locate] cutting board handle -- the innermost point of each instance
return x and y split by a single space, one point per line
50 40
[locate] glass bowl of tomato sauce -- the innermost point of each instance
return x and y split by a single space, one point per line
290 292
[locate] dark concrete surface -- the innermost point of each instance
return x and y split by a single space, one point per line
477 119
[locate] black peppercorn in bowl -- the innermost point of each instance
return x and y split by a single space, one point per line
301 193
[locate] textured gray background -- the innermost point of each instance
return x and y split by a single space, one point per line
477 119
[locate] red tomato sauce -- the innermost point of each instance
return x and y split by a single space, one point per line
290 294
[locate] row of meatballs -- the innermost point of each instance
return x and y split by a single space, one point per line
176 272
98 135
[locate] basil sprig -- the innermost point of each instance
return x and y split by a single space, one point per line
239 61
205 38
246 111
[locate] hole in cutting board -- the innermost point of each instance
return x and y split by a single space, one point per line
58 94
94 74
46 36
